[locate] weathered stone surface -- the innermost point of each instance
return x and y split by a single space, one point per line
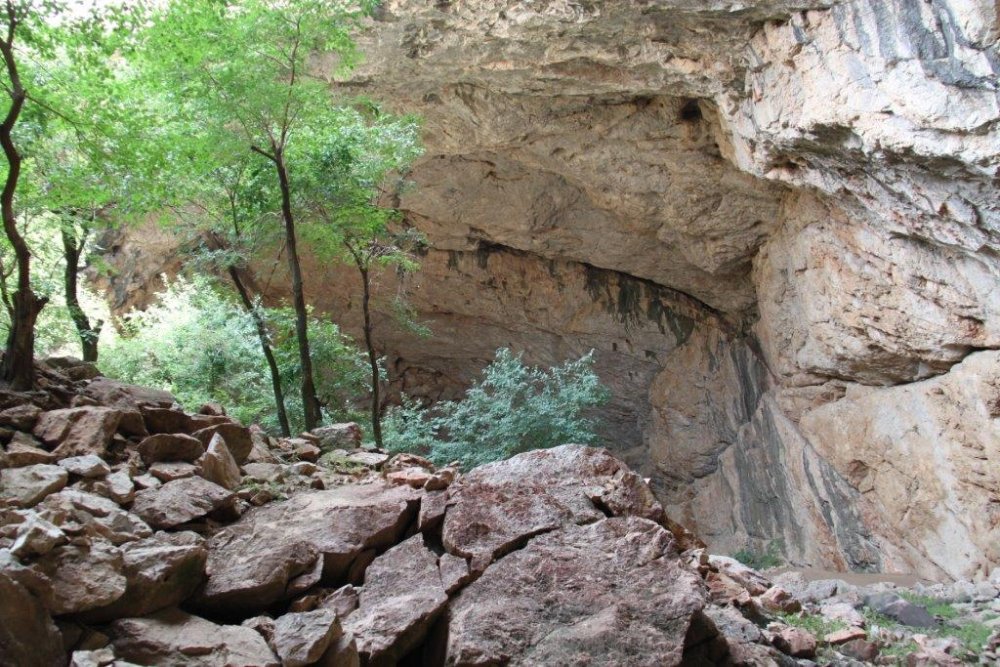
402 596
29 485
180 501
301 639
35 536
218 465
120 487
795 642
27 634
161 571
594 594
165 420
23 450
172 637
91 515
83 577
168 472
86 466
497 507
750 579
121 395
339 436
164 447
901 610
251 562
21 417
237 438
78 431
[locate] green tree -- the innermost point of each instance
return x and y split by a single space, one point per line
243 71
514 408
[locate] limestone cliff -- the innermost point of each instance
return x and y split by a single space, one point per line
775 221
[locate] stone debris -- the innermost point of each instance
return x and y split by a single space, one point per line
559 556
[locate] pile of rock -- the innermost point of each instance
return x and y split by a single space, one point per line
132 532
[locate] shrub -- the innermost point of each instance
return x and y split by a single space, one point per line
761 561
514 408
203 347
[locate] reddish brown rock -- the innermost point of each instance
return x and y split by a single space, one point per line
301 639
218 465
21 417
23 450
415 477
777 599
27 634
338 436
121 395
165 420
236 437
795 642
83 577
599 594
402 596
497 507
168 472
845 635
78 431
29 485
747 577
180 501
164 447
251 562
172 637
161 571
86 466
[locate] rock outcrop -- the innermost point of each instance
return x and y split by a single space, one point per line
774 221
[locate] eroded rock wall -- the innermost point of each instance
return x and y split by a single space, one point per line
775 222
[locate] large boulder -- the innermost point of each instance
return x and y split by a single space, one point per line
30 485
251 562
606 593
170 447
496 508
237 438
78 431
87 514
161 571
402 596
121 395
218 465
302 638
180 501
83 577
338 436
172 637
27 634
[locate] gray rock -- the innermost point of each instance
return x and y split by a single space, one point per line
218 465
86 466
27 634
29 485
36 536
164 447
169 471
78 431
301 639
899 609
180 501
83 577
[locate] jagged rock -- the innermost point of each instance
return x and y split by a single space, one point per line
180 501
733 625
401 598
86 466
795 642
305 450
237 439
373 460
251 562
778 599
23 450
161 571
91 515
262 625
441 479
168 472
497 507
301 639
842 612
750 579
146 481
78 431
36 536
27 634
172 637
121 395
120 487
415 477
166 447
104 657
265 472
845 635
21 417
83 577
29 485
432 510
342 601
454 572
601 593
165 420
338 436
218 465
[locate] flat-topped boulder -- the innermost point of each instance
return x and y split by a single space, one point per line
606 593
252 561
78 431
180 501
167 447
497 507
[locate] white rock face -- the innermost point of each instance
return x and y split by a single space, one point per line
776 222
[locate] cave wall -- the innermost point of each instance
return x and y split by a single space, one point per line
775 222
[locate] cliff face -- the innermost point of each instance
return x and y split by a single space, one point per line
776 222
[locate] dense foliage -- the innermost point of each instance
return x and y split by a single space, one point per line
203 347
514 408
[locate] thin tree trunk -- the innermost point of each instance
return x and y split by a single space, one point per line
376 406
18 363
265 346
89 335
310 403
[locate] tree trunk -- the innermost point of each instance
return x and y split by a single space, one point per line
18 362
265 346
89 335
372 359
310 403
